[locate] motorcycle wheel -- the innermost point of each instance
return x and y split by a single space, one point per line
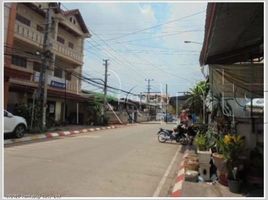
161 138
182 141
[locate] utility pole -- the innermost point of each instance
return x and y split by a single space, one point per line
148 88
166 102
105 88
140 99
46 62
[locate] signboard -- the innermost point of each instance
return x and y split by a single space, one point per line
57 84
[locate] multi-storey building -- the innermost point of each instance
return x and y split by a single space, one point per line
24 35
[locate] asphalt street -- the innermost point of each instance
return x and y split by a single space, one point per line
125 162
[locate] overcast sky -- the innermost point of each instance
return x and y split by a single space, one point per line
143 40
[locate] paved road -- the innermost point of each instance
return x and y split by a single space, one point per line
123 162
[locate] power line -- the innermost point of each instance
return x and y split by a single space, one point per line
79 76
157 36
126 61
129 63
158 25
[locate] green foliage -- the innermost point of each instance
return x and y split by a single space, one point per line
205 140
94 109
219 143
200 141
232 148
198 93
218 108
26 111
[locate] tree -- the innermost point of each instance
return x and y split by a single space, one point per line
197 95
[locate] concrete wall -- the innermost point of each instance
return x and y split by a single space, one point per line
7 7
70 38
244 128
124 117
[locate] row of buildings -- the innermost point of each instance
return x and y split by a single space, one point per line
23 41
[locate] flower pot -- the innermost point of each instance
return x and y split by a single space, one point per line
223 178
218 161
204 156
234 185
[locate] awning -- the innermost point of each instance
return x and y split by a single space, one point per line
50 93
237 80
233 33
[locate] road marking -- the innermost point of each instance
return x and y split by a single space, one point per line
163 180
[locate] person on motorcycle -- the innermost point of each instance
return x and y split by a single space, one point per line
183 116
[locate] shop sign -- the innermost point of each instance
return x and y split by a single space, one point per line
57 84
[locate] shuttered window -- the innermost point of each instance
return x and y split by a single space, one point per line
23 20
37 66
58 72
19 61
60 39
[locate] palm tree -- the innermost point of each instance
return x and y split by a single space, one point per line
197 96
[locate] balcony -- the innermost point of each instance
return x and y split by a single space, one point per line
32 36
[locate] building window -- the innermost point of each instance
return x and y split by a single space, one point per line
39 28
37 66
71 19
58 72
68 76
60 39
19 61
71 45
23 20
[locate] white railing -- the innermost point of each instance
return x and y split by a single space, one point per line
37 38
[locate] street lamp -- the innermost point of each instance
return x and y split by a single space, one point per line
187 42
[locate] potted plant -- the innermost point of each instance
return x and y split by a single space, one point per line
219 160
232 149
234 182
204 141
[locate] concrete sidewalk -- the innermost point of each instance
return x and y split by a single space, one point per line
184 188
206 189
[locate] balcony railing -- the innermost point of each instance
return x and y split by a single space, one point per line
33 36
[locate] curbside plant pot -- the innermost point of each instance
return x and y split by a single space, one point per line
234 185
220 164
218 160
204 156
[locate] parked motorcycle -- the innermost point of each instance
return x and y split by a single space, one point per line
181 135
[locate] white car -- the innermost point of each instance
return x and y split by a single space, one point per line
14 124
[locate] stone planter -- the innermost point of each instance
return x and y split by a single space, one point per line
204 156
204 171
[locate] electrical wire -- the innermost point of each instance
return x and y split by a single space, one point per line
80 76
158 25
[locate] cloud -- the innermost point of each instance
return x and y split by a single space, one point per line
135 61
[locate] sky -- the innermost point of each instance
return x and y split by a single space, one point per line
143 41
